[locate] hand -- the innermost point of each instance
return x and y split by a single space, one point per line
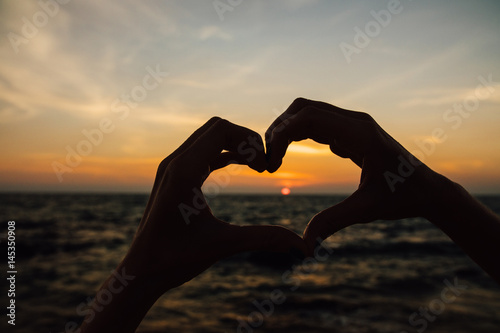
394 184
178 236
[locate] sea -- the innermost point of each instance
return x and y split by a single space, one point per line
400 276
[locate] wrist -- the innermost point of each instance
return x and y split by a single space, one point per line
443 196
122 301
141 268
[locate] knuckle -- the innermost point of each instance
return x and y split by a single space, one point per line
214 119
162 167
366 117
221 123
306 110
218 122
300 102
371 125
304 117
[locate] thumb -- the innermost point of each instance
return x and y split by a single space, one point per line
352 210
264 238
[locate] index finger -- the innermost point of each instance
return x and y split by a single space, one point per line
311 122
300 103
244 145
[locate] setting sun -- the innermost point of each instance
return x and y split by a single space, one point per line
285 191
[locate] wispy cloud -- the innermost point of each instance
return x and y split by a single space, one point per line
213 31
174 119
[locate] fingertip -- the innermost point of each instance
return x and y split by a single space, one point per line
267 137
260 168
273 163
274 166
260 163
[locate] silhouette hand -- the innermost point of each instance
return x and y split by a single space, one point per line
393 185
178 237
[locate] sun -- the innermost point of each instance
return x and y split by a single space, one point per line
285 191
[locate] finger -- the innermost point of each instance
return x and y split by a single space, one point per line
297 105
309 123
263 238
192 138
355 209
166 161
225 159
244 145
338 149
300 103
332 108
280 139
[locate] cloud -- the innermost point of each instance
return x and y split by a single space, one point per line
173 119
173 113
461 166
449 96
389 80
214 32
224 77
12 114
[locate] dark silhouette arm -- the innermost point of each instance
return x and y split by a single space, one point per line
394 184
178 237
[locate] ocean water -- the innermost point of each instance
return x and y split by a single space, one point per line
382 277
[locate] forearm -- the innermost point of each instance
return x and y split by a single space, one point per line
470 224
121 303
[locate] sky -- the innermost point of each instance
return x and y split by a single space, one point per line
94 94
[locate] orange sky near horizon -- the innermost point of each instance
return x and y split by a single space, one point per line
122 84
